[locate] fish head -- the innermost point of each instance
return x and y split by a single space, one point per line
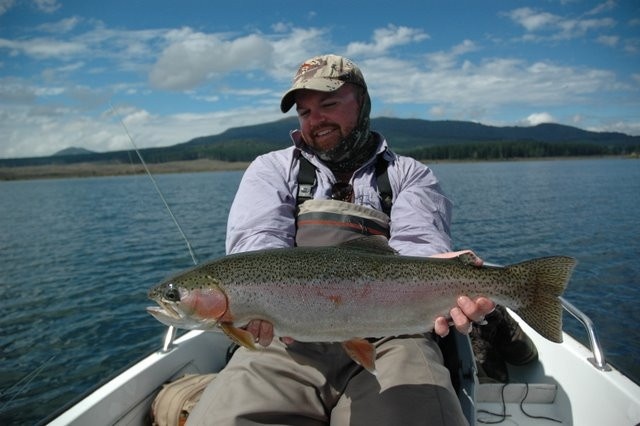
188 307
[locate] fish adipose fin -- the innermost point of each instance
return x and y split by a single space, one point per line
362 352
549 277
238 335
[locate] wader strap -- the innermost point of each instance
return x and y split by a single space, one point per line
384 186
307 180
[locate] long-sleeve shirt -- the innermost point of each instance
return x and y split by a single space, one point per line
263 212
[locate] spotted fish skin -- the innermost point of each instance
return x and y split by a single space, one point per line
356 290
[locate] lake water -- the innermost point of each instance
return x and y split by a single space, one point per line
78 255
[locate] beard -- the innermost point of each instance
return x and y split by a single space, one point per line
354 149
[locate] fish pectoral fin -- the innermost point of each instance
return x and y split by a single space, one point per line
362 352
238 335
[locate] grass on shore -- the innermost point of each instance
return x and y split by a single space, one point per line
114 169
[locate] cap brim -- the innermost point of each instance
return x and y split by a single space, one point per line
318 84
288 100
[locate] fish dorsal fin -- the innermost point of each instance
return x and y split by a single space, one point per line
377 244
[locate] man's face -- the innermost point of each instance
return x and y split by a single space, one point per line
326 118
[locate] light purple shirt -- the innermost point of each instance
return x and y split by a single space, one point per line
263 212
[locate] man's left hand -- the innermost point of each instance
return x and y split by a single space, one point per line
468 311
463 315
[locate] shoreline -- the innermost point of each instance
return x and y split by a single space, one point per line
82 170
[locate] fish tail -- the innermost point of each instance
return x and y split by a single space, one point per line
548 278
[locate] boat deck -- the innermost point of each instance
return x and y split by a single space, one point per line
563 387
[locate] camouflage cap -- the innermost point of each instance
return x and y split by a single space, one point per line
324 73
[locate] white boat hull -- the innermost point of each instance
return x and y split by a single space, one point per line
584 395
564 385
126 399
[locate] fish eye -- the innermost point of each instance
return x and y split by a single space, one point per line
172 294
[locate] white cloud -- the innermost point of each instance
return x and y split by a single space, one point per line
280 27
40 131
60 104
137 118
42 47
486 84
62 26
42 92
540 25
632 46
15 90
610 41
603 7
194 57
577 119
46 6
448 59
533 20
294 47
384 39
577 27
628 127
491 90
539 118
437 111
5 5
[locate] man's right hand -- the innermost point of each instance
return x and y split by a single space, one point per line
263 333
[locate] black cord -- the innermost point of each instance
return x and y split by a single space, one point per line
503 416
532 416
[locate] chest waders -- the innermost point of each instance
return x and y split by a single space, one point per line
330 222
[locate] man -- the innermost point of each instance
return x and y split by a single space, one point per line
297 383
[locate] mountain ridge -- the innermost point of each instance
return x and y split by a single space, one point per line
410 136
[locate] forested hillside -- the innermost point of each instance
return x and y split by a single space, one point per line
422 139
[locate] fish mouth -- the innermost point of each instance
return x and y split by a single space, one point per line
168 299
169 314
157 311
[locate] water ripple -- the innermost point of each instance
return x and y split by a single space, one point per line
78 256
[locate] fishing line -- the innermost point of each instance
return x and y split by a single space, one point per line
27 379
155 184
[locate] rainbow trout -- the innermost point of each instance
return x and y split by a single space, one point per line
359 289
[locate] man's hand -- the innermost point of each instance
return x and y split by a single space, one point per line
468 310
464 314
263 333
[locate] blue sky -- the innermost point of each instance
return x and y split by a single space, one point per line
175 70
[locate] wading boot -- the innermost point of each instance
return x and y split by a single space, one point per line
501 339
490 364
